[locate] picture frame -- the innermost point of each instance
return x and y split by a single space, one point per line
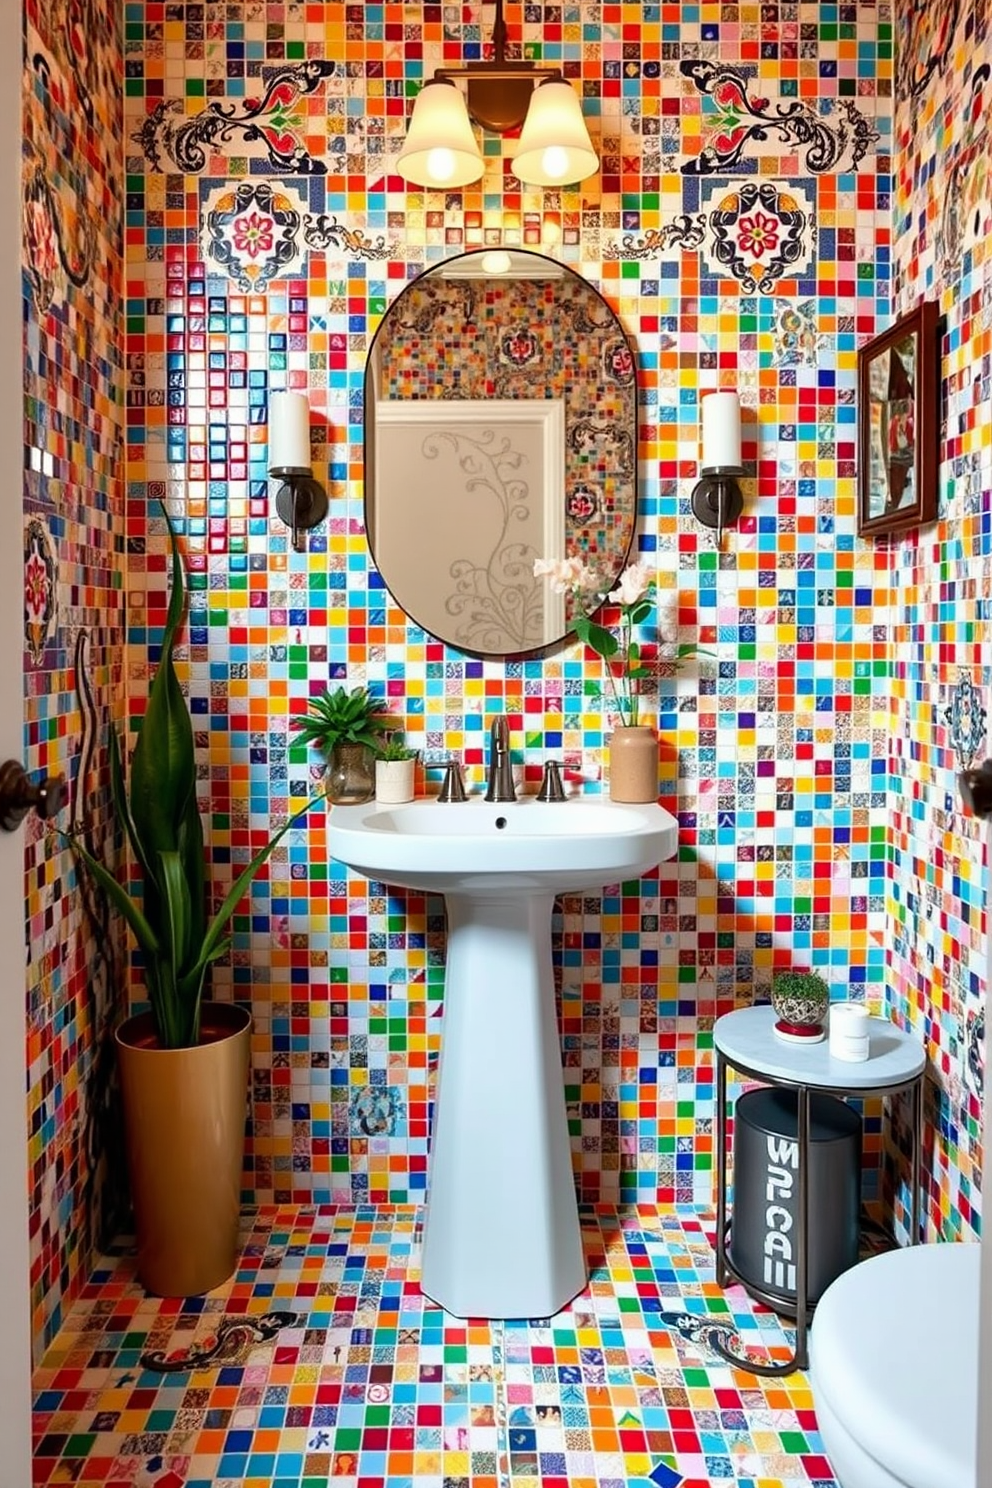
898 424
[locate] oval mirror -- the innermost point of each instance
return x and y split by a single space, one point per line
500 427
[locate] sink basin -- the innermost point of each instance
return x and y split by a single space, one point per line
501 1232
479 846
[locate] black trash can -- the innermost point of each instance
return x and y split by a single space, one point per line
763 1242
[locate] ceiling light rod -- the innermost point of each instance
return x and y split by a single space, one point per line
491 103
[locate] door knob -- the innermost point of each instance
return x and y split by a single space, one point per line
18 794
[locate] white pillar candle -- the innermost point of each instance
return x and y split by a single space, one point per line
289 431
849 1031
721 417
849 1019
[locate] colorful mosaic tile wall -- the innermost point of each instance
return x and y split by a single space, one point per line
74 630
940 588
739 227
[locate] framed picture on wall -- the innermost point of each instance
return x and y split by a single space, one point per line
898 424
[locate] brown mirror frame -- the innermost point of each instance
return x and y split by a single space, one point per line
898 424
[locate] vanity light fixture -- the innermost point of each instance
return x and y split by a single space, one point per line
301 501
717 500
496 262
441 150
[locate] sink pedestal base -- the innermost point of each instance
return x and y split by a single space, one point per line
501 1234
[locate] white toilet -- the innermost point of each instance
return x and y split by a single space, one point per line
894 1369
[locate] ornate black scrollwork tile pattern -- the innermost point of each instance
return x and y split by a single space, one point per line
169 138
230 1340
747 120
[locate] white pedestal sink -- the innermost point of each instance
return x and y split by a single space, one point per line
501 1234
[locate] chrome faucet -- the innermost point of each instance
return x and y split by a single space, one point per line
499 782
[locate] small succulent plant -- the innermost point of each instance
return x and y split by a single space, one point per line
393 748
800 998
341 717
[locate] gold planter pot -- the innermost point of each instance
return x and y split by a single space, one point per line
633 764
184 1115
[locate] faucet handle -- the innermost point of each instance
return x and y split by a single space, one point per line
452 786
551 786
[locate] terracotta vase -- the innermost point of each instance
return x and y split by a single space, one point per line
633 764
184 1126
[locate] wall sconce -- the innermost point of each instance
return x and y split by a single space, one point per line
301 501
717 500
441 150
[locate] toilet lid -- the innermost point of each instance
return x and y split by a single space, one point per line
894 1352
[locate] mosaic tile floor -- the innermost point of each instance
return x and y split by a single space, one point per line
320 1359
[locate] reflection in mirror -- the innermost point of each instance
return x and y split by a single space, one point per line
500 427
898 373
891 419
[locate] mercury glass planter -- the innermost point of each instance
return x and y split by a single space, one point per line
350 774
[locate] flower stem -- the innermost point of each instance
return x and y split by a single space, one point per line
619 696
633 697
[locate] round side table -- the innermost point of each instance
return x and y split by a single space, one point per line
744 1041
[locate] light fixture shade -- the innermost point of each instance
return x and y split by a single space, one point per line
496 261
289 431
440 150
721 419
554 148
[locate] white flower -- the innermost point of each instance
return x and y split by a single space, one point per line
634 583
623 664
566 574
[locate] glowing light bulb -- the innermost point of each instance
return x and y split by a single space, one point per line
496 262
440 163
555 162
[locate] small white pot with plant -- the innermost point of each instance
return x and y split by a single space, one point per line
395 771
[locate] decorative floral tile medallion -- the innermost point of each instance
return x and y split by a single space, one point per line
40 589
795 338
376 1111
759 231
519 348
618 362
965 718
252 230
40 228
581 505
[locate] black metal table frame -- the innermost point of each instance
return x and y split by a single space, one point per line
725 1270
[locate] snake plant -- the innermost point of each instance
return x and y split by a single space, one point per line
159 812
